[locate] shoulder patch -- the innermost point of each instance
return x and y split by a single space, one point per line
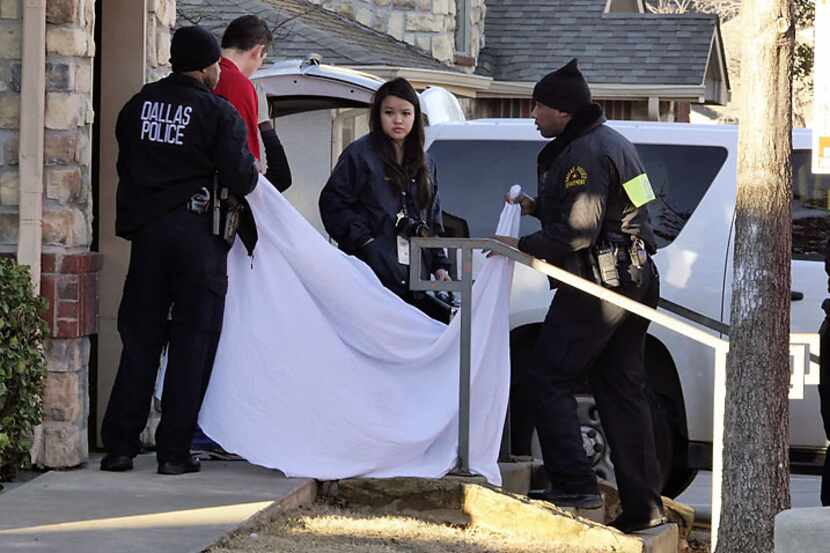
576 176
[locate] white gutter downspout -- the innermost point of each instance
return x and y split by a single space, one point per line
32 115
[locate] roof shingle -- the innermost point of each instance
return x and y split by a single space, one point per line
303 28
613 48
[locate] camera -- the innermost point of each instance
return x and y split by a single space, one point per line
407 227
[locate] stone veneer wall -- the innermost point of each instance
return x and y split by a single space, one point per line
426 24
69 279
161 17
10 52
69 269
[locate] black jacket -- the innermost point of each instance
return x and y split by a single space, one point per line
359 205
173 137
278 172
581 197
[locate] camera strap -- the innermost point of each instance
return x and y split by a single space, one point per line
402 243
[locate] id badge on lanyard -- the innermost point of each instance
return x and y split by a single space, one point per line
403 250
403 243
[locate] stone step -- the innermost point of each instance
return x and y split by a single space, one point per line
516 476
465 502
662 539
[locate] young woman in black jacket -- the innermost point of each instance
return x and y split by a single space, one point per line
383 191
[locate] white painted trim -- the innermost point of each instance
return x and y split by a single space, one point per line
654 108
463 84
477 86
715 50
123 70
519 89
32 120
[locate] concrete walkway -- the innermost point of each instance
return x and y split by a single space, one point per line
805 491
90 511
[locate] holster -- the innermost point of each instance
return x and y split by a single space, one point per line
231 213
614 255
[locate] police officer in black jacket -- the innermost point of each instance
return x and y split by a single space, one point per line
175 137
591 196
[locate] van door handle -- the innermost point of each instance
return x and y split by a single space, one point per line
796 296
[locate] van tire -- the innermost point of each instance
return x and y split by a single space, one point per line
665 399
668 410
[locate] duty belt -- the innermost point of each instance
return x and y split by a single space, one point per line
615 252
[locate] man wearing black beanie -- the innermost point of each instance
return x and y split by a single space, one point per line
591 200
176 141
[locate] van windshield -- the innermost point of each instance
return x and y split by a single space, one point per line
473 176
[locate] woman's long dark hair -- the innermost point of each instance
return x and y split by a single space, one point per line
414 160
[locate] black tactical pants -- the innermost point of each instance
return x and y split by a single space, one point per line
177 269
583 336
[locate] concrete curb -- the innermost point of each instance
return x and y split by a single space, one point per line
302 496
802 530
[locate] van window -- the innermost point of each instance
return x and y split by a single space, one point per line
473 176
810 208
680 176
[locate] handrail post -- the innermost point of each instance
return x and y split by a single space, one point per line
464 372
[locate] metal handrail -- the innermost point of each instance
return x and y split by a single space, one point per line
465 284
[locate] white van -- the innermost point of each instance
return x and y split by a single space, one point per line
692 170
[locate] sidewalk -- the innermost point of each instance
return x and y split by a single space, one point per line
805 491
90 511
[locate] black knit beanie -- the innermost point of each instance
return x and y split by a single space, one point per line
193 48
565 89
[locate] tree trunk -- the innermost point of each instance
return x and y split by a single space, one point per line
756 434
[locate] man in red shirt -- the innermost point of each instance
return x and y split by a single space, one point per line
244 47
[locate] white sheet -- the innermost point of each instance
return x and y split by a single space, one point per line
321 372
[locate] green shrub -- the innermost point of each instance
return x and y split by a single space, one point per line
22 365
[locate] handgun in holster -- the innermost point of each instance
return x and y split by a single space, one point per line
637 252
216 209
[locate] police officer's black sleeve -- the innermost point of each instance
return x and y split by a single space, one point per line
340 207
278 173
234 162
125 218
438 257
582 209
124 139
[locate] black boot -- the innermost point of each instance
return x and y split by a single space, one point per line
627 525
561 498
116 463
190 464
